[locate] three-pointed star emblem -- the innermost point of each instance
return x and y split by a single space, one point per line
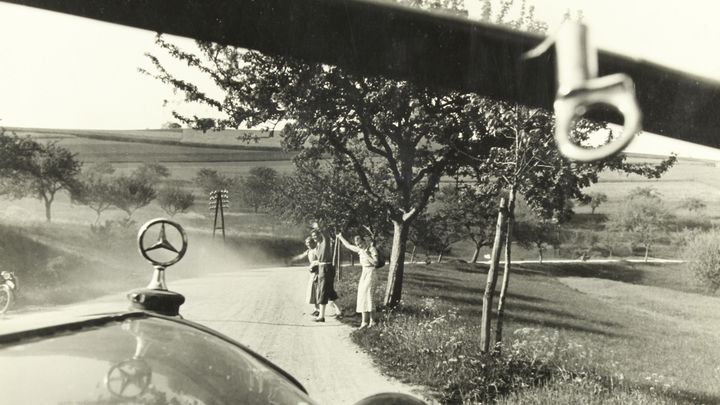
162 242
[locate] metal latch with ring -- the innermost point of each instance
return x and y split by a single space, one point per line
579 88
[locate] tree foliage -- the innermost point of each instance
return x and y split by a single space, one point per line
210 180
468 212
330 194
371 124
693 204
645 218
257 188
594 200
538 232
152 172
39 170
647 192
174 200
96 188
702 253
132 193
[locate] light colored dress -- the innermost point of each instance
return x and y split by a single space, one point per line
368 260
310 296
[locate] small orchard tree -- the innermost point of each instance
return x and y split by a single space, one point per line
132 193
647 192
209 180
96 188
467 212
594 200
257 188
644 218
151 172
423 235
174 200
443 232
539 233
479 208
693 204
702 253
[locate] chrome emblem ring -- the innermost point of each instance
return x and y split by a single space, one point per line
164 242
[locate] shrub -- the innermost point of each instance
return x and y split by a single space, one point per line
103 232
703 255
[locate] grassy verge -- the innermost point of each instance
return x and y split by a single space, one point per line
560 346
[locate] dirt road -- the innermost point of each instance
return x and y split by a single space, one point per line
263 309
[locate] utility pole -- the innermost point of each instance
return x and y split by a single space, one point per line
219 202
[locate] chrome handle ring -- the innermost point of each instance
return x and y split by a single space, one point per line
162 242
615 90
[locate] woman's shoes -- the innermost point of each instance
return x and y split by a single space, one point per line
363 326
315 313
319 320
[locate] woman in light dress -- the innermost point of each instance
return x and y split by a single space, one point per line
311 254
368 260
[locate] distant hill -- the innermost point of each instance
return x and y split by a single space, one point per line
166 146
260 140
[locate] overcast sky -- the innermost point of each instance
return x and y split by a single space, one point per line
59 71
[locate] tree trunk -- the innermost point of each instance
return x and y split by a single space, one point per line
540 255
48 215
393 292
647 252
476 253
412 255
492 280
506 272
336 259
440 257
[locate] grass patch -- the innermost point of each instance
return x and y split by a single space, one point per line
560 346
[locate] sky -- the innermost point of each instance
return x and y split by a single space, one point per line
59 71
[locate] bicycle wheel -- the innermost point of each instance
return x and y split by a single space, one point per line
6 298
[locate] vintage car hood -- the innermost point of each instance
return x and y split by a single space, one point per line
133 357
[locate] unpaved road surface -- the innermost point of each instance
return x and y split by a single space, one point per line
264 309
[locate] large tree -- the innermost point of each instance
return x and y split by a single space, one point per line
371 124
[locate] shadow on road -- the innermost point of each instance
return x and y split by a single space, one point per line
302 325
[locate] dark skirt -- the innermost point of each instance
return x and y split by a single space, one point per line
326 284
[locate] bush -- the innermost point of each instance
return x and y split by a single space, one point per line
703 255
102 232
